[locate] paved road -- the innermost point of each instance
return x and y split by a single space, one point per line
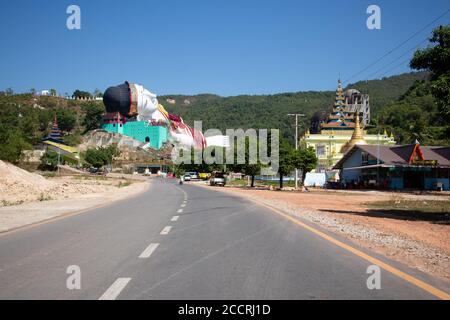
219 247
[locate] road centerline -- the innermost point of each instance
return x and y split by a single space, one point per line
166 230
115 289
175 218
149 250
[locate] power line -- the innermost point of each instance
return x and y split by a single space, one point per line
398 58
398 65
397 47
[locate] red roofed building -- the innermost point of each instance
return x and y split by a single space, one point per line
397 167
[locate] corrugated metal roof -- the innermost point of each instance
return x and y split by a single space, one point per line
61 146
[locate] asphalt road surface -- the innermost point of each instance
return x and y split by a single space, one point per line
188 242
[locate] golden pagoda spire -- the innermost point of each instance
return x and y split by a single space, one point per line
357 136
358 133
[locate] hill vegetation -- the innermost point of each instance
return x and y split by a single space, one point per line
402 104
270 111
25 119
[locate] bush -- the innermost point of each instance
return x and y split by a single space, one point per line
100 157
12 145
96 157
49 160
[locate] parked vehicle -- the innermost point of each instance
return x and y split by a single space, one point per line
204 175
187 177
193 175
217 179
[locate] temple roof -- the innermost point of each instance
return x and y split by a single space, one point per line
345 118
338 124
401 155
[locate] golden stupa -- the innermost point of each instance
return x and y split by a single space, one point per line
357 136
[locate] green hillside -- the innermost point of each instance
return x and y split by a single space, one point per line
386 90
269 111
400 103
414 115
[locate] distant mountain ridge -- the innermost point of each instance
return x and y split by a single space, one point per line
28 117
270 111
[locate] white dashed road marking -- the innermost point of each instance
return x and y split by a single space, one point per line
180 211
175 218
149 250
183 205
166 230
114 290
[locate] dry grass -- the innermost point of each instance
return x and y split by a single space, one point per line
425 206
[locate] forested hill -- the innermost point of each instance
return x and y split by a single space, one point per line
387 90
270 111
402 104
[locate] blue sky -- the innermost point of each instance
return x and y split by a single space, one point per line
227 47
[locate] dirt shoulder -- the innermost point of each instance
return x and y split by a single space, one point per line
64 196
421 241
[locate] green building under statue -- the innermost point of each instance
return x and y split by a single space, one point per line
155 135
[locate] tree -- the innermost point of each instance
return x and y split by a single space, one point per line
78 94
96 157
29 125
414 116
436 59
286 165
252 170
66 119
98 93
53 92
12 145
101 156
50 160
93 118
249 169
112 151
306 160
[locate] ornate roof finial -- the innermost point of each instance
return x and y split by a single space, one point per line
358 133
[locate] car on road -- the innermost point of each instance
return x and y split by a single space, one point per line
217 179
193 175
187 177
204 175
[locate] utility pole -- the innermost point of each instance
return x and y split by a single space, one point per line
296 115
378 159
